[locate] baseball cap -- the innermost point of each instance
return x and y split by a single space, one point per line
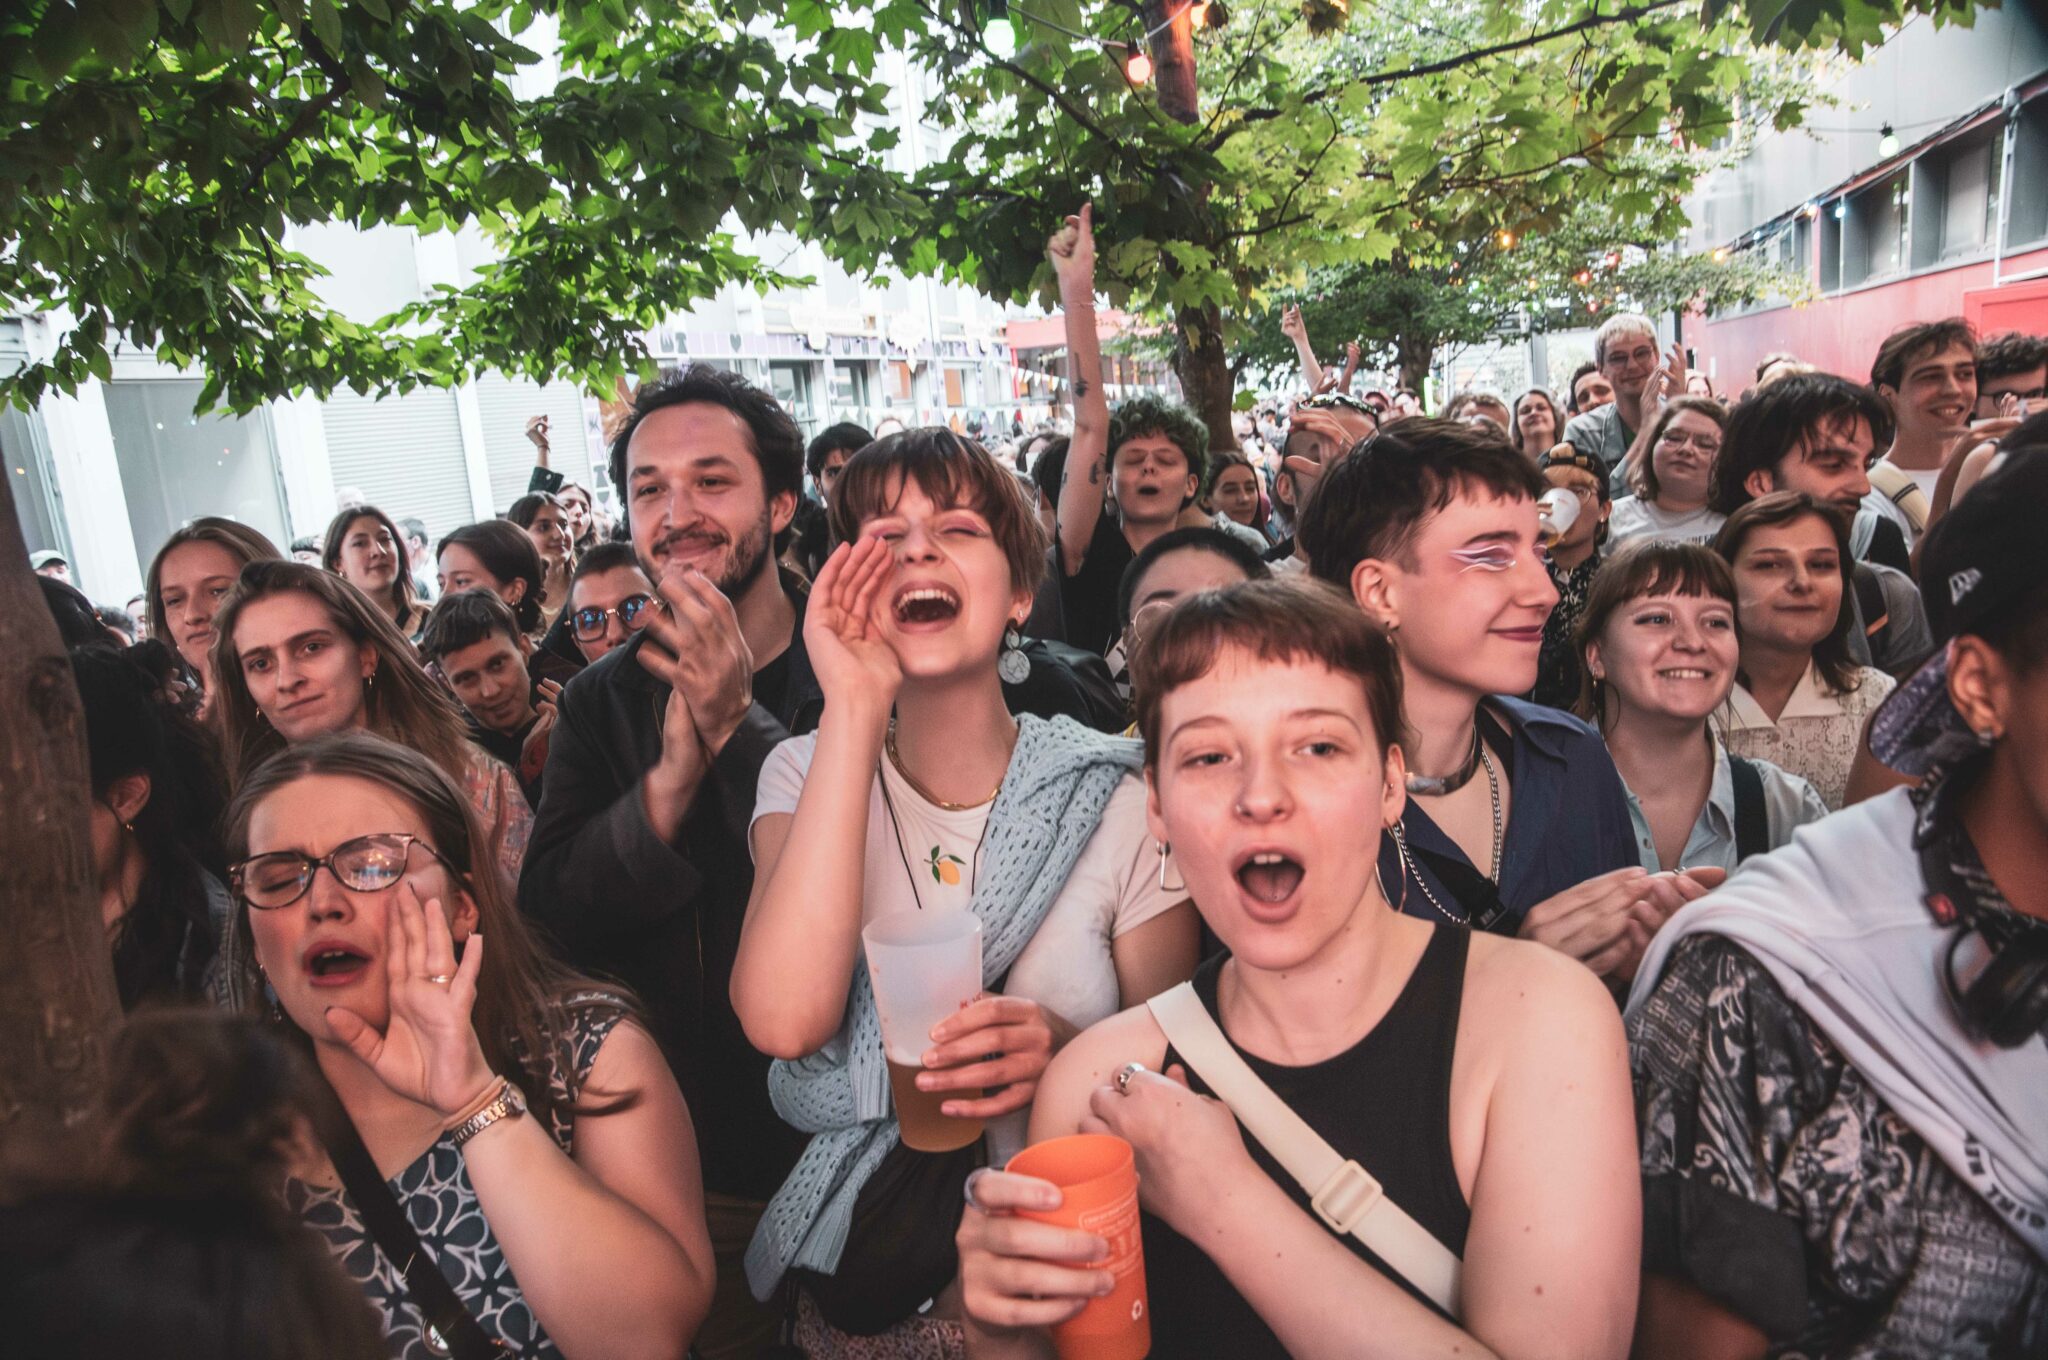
1572 456
1979 562
44 557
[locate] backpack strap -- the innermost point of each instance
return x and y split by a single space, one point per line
1343 1194
1870 601
1752 819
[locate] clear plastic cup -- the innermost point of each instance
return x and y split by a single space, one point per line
924 966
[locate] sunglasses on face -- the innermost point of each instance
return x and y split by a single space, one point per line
590 622
366 864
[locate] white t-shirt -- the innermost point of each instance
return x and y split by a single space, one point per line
1635 517
927 857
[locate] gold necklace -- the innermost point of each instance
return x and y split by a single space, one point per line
896 759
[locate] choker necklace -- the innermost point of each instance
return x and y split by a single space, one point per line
1436 785
896 759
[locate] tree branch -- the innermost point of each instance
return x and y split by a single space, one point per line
1430 68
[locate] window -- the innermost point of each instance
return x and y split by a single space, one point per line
1958 185
176 466
2027 219
1874 234
956 394
898 380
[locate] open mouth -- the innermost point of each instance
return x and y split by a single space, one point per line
335 964
690 545
1684 673
1270 876
926 604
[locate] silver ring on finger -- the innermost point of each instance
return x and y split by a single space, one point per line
1124 1075
967 1189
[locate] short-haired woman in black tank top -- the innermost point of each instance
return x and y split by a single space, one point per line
1483 1080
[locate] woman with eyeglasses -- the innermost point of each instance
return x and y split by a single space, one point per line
304 654
1672 469
513 1116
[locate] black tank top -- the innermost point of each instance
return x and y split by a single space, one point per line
1385 1103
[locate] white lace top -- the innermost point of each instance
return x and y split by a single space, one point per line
1816 735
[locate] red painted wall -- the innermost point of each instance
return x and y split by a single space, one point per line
1841 333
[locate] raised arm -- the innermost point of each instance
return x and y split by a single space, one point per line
802 934
1083 485
1295 329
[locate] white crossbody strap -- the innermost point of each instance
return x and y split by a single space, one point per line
1342 1193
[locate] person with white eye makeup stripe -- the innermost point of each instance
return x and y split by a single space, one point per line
1516 821
1658 648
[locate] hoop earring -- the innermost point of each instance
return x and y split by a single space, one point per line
1165 851
1402 906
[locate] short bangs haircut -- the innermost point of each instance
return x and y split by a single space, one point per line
1373 501
1647 566
953 471
1284 619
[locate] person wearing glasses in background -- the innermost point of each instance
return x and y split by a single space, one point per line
606 596
504 1108
1625 348
1672 473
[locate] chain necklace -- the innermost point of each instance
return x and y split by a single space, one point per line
896 759
1408 865
896 823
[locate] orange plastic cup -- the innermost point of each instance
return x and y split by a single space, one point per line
1098 1180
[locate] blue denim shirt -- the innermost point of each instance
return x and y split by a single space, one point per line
1568 821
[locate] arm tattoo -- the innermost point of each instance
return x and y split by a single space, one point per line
1095 473
1082 388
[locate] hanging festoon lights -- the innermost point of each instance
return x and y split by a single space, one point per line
1887 142
1137 66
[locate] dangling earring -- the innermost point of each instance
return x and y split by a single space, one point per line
1402 906
1013 666
1165 853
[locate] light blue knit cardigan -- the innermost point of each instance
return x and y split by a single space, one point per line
1060 779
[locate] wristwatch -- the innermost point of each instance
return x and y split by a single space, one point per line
509 1104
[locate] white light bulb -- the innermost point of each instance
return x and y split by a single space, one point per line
1001 37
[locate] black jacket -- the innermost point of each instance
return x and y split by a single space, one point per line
663 917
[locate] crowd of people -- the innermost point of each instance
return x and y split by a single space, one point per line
1614 830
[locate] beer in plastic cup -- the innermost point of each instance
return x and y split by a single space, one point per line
1098 1179
924 966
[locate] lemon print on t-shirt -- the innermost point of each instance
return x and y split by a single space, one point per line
945 868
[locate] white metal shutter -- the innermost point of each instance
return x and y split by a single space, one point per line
505 405
403 453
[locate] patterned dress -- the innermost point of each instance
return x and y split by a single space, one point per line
1778 1182
437 1197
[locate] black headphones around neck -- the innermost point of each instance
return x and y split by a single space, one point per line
2007 1002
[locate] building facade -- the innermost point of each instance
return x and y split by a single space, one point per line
1923 193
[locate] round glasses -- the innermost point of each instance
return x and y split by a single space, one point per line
589 622
366 864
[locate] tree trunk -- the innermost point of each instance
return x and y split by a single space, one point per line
1173 62
58 1007
1412 354
1203 367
